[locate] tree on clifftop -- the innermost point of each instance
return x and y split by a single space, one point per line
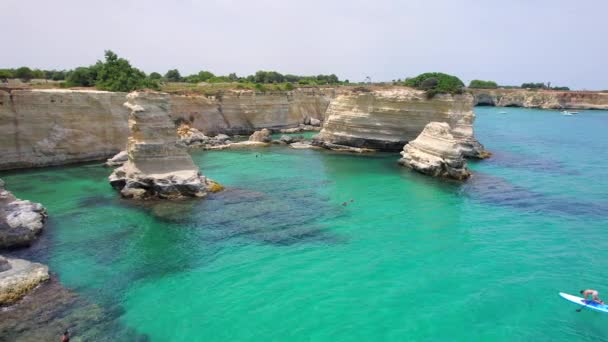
24 73
173 75
117 74
479 84
436 83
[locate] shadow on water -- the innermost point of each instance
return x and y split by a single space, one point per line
522 161
497 191
280 220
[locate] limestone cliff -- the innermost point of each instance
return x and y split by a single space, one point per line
386 119
544 99
55 127
158 165
436 152
244 111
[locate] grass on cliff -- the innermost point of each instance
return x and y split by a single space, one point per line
212 89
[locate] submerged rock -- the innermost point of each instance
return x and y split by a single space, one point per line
289 139
20 221
436 152
20 278
158 165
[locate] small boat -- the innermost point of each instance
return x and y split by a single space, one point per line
502 112
566 113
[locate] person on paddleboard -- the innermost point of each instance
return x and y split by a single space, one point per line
594 295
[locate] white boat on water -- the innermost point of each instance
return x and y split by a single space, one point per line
567 113
502 112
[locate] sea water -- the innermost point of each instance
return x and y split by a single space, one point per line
309 245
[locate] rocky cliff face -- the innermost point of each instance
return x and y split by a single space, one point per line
436 152
158 165
55 127
244 111
386 119
543 99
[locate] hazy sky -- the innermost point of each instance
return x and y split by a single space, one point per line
509 41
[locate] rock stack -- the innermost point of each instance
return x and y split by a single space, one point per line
436 152
158 166
20 221
387 118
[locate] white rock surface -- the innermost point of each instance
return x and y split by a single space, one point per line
20 221
436 152
19 279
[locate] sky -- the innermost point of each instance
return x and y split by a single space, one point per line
508 41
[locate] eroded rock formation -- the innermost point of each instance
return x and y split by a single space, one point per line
158 165
544 99
386 119
20 221
56 127
436 152
19 277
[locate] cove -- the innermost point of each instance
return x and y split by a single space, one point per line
278 255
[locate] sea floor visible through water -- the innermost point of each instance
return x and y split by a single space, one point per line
310 245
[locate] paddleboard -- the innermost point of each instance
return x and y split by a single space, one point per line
588 304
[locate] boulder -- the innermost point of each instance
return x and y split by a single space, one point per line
118 159
289 139
19 279
191 137
261 136
436 152
158 166
20 221
315 122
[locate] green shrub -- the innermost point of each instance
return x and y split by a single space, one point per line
117 74
82 77
479 84
24 73
440 83
288 86
173 75
5 74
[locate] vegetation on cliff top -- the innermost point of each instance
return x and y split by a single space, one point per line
479 84
436 83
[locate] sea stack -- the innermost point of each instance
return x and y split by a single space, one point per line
436 152
387 118
158 165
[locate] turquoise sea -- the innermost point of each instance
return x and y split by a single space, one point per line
279 256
